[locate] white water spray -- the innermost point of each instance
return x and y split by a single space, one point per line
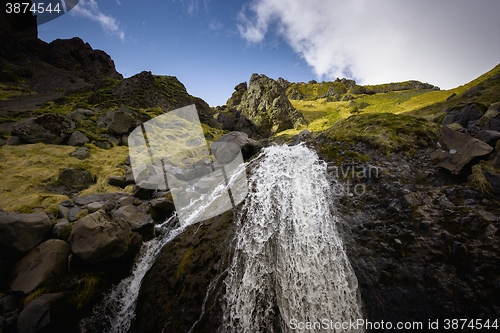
289 264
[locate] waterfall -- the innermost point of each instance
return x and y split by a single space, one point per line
289 266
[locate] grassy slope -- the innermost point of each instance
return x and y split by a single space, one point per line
27 170
330 116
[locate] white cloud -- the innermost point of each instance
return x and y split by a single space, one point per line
215 25
446 42
192 6
90 9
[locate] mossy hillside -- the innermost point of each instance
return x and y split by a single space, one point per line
8 91
28 171
312 91
385 131
422 103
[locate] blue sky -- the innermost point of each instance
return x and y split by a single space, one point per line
211 46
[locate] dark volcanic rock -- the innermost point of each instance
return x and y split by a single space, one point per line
457 150
77 138
45 265
137 219
75 55
248 146
95 238
489 137
46 313
76 178
22 232
491 120
174 288
463 115
49 128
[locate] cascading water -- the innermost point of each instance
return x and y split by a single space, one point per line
289 265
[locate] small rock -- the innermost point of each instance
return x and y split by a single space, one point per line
138 220
489 137
103 144
445 202
126 201
62 229
73 212
81 153
63 212
116 180
77 138
94 206
48 128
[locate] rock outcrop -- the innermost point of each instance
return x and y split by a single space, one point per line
76 55
265 104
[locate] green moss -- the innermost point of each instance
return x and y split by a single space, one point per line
82 213
185 262
35 293
385 131
89 289
479 181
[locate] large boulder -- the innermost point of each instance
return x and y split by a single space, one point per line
46 313
48 128
22 232
138 220
491 120
45 265
457 150
266 105
123 121
462 115
248 146
96 238
489 137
